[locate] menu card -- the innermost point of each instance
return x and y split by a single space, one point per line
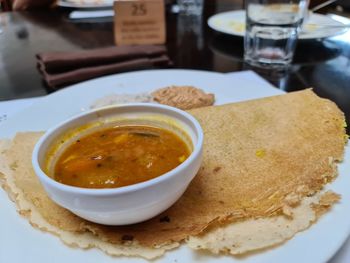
139 22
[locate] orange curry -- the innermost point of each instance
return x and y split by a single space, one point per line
120 156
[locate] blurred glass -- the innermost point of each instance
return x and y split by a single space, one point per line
190 7
272 28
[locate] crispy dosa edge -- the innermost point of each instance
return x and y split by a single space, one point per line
255 235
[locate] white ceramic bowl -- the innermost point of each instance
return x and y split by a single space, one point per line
128 204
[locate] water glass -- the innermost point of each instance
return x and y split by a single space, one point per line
190 7
272 28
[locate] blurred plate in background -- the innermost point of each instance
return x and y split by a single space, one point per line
317 26
85 3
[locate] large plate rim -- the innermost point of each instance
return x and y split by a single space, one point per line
329 251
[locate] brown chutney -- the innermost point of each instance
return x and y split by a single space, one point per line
120 156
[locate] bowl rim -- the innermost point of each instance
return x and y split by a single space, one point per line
46 179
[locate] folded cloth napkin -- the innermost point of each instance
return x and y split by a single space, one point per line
63 68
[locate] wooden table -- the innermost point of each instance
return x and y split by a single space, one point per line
321 64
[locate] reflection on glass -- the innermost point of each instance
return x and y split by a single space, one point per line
278 78
189 38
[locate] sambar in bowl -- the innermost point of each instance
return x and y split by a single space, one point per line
121 164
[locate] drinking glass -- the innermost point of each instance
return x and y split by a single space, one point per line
190 7
272 28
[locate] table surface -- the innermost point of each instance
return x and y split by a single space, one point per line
321 64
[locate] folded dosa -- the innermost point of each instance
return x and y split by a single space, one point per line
261 158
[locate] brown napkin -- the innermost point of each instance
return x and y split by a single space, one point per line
63 68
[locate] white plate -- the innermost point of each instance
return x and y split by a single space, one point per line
19 242
85 3
233 23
